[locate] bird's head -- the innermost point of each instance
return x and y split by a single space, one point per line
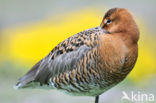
120 20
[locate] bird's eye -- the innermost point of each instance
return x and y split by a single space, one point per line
109 21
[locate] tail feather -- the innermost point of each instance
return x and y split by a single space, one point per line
39 74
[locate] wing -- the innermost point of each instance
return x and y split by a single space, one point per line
63 57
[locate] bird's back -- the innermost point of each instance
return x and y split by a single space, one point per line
67 62
87 63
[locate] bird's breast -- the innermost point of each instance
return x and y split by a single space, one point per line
112 52
116 58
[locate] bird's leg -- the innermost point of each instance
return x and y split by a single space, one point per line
96 99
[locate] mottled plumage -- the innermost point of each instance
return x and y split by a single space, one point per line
90 62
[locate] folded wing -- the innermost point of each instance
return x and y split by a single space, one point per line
62 58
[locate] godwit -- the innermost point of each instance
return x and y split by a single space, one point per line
92 61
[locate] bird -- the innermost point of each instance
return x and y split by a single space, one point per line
90 62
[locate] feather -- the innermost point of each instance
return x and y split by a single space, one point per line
61 59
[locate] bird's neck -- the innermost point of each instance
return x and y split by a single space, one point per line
130 38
